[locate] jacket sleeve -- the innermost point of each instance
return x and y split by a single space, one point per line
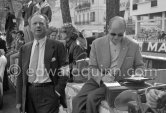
77 51
138 61
19 83
62 80
93 58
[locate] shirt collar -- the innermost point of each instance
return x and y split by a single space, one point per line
29 3
41 41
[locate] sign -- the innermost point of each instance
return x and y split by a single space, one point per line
156 47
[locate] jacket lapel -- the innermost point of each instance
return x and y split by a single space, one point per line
106 55
28 55
49 49
123 51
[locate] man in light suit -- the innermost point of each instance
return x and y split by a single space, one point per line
112 58
40 88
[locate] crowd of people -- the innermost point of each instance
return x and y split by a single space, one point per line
42 52
152 34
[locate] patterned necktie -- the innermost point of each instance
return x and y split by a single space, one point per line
34 64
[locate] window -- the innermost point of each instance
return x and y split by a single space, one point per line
87 16
153 3
92 16
83 18
134 6
79 18
75 18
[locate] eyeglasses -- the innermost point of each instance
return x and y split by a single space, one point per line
114 34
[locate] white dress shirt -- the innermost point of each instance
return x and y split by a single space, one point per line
115 50
41 75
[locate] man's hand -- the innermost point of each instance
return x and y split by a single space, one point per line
18 106
108 78
152 97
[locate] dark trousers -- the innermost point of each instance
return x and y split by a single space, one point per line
89 98
42 100
5 81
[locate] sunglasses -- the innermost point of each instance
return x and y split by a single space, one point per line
114 34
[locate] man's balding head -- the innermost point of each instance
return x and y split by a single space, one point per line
119 20
117 27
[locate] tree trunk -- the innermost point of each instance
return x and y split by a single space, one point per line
112 9
65 11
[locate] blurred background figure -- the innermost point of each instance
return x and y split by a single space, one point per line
3 62
9 25
26 13
3 52
53 33
18 44
43 7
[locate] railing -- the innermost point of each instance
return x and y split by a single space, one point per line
82 23
141 39
151 40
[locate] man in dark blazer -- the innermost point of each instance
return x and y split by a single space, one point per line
40 88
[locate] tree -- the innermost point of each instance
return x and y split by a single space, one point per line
112 9
65 11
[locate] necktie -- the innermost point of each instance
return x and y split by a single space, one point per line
34 64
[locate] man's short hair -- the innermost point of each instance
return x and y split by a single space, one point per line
35 14
116 18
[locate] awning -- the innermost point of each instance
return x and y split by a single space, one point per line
155 56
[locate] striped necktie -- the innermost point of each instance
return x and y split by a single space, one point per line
34 64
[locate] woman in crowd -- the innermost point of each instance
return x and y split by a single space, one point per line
74 49
43 7
53 33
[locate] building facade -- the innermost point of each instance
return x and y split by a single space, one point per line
150 16
90 15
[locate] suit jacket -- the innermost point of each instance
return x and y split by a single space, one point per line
89 42
129 56
53 49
